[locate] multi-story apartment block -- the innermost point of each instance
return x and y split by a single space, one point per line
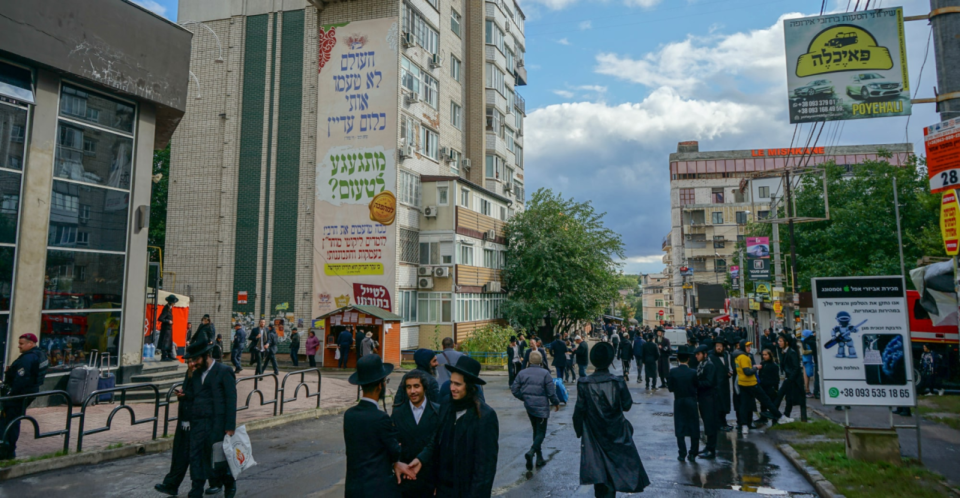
710 206
303 176
657 299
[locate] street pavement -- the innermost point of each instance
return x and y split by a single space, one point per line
307 459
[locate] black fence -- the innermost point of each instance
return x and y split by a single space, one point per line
164 402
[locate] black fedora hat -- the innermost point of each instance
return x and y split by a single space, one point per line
172 299
684 351
469 368
601 355
196 349
703 349
370 369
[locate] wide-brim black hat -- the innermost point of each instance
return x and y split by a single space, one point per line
196 349
703 349
172 299
370 369
683 351
601 355
468 368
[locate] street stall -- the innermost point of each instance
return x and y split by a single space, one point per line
384 325
181 315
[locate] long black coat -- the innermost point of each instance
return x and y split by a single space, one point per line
664 345
558 349
708 386
608 454
165 338
682 382
414 438
464 452
722 363
650 356
373 446
431 389
792 387
213 411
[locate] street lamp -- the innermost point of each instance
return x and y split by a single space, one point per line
715 266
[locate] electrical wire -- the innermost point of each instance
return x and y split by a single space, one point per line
906 128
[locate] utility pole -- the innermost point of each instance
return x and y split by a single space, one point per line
946 50
787 187
778 272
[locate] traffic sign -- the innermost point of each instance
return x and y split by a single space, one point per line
949 211
942 142
763 288
660 312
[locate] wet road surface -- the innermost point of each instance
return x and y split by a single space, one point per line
307 459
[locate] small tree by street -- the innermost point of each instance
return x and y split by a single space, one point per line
561 262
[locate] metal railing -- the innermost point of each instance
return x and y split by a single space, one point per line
256 390
122 406
36 425
166 408
296 390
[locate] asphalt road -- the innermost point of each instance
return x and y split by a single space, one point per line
307 459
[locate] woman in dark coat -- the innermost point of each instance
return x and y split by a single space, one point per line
792 386
608 456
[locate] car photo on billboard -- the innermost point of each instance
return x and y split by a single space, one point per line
866 86
814 88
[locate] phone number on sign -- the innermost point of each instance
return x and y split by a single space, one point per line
875 393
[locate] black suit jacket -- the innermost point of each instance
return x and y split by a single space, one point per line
272 340
373 446
414 438
558 349
255 339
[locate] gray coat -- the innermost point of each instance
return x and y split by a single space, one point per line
446 356
535 387
367 346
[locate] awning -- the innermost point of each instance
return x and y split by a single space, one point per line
722 318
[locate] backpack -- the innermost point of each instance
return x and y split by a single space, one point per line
561 391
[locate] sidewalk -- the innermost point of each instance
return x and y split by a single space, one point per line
335 392
940 443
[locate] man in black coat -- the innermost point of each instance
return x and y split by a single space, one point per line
257 337
791 388
558 349
24 376
535 345
344 341
426 361
417 420
180 456
725 374
270 351
650 353
626 354
582 355
664 362
514 359
682 382
165 339
212 393
371 437
708 385
236 347
359 335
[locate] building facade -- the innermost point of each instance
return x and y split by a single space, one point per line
303 184
711 202
88 90
657 298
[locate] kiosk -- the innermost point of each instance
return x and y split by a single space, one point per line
384 325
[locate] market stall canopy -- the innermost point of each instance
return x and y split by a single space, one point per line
369 310
613 318
722 318
182 301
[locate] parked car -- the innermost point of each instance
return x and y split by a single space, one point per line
872 85
814 88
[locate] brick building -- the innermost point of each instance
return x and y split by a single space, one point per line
421 92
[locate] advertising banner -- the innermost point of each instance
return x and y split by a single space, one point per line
942 142
355 237
758 247
949 210
849 65
864 341
758 268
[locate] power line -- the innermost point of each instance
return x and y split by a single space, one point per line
906 129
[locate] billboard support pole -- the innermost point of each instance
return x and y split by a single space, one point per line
793 266
896 211
946 25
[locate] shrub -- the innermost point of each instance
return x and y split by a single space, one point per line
492 338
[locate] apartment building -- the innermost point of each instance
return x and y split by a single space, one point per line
657 299
711 202
299 177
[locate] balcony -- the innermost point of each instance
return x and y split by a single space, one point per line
520 73
520 104
666 242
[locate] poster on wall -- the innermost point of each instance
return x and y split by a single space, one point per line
355 235
864 341
849 65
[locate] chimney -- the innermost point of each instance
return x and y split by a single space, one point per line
690 146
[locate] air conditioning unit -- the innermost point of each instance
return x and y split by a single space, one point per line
508 187
492 287
441 271
406 152
465 163
430 211
436 61
520 132
425 271
411 98
490 235
444 153
425 282
408 40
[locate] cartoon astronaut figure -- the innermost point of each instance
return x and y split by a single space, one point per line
841 334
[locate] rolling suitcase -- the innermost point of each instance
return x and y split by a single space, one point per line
106 380
83 380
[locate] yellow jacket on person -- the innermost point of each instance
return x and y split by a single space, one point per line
744 361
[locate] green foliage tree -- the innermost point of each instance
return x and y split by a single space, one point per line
158 200
491 338
861 236
561 260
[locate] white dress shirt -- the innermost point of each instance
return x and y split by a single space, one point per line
371 401
203 376
418 412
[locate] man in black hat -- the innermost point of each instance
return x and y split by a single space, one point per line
663 364
212 392
180 456
165 339
417 419
682 382
465 447
371 437
651 354
258 337
608 457
236 346
708 385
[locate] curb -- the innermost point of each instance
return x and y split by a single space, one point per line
825 488
159 445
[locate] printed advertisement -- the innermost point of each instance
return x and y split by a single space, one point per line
355 236
849 65
864 341
942 142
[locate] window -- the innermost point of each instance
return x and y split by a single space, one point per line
466 254
429 141
741 217
510 59
83 238
687 196
431 90
518 120
425 34
475 307
762 215
407 305
443 195
716 196
510 144
409 250
11 203
434 3
408 188
485 207
17 83
455 68
435 307
518 152
718 242
716 217
495 165
490 259
518 189
455 20
764 192
658 303
503 213
456 115
89 146
436 253
495 121
720 266
465 198
495 78
494 35
408 130
409 75
455 157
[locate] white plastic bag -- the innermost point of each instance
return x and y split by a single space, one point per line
336 356
238 451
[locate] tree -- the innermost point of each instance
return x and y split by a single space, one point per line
560 261
861 236
158 200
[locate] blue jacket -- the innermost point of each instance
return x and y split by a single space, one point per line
345 340
23 375
239 338
638 345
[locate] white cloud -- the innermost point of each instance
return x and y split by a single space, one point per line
642 3
152 5
655 258
563 41
585 25
593 88
567 94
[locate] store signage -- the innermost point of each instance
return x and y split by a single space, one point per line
688 286
801 151
686 271
777 307
763 288
759 269
942 142
864 343
242 297
949 210
754 305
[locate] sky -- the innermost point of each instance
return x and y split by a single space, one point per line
615 84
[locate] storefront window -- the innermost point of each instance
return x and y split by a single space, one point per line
69 337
